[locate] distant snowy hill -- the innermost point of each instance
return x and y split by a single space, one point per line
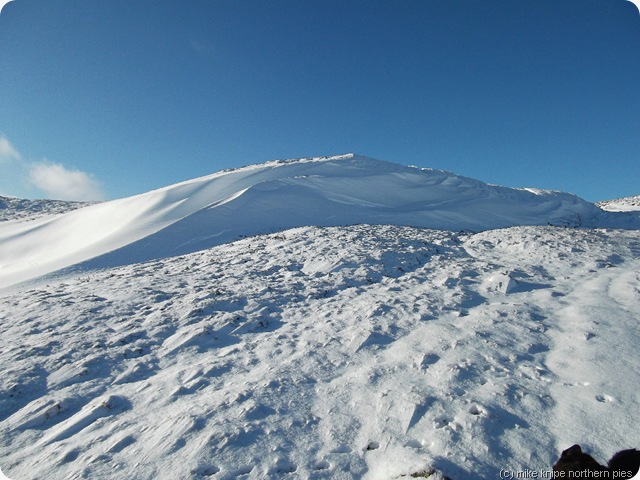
20 209
626 204
275 196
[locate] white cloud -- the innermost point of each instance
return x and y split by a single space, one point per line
3 3
8 151
58 182
636 3
53 179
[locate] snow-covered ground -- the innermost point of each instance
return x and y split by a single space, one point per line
352 352
342 352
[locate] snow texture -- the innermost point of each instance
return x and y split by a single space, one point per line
319 352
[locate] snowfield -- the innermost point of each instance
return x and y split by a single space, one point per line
319 352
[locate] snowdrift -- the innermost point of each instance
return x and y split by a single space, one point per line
326 191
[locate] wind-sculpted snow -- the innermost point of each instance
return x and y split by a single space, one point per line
274 196
372 352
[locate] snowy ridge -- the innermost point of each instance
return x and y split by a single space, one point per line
626 204
20 209
275 196
373 352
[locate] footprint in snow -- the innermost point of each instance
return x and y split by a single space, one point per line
428 360
321 465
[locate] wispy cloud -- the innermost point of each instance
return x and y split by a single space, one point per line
57 181
8 151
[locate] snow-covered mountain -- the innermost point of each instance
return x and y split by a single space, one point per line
318 352
12 208
275 196
626 204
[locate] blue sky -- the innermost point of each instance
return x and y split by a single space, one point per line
106 99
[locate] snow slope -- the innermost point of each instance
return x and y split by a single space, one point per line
222 207
372 352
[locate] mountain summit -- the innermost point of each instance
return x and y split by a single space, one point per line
273 196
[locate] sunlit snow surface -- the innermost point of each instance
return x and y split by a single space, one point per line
352 352
274 196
